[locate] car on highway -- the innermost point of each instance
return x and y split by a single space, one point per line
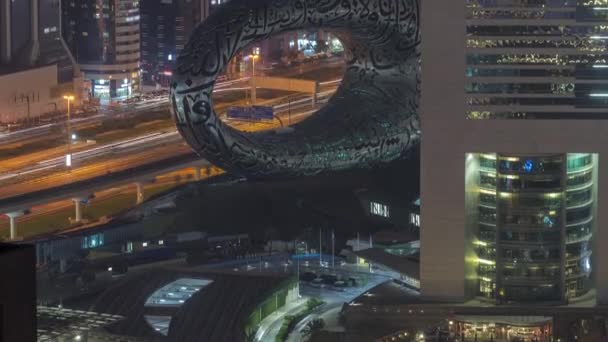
318 283
11 127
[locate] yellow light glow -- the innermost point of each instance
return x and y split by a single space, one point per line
480 243
510 176
511 159
486 262
505 195
68 97
488 156
552 212
487 192
553 195
486 279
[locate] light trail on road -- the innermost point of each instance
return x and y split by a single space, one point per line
128 153
149 104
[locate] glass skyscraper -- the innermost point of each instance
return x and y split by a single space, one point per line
536 59
534 226
104 37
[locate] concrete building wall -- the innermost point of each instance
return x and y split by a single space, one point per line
40 85
443 154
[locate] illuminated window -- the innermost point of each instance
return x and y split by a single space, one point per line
92 241
528 166
379 209
415 219
172 295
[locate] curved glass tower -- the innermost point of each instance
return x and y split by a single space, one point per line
534 226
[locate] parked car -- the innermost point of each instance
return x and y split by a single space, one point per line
307 276
329 279
339 285
317 282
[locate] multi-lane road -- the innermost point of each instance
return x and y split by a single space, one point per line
79 121
90 161
45 169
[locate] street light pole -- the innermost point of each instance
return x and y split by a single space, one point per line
320 249
68 157
253 57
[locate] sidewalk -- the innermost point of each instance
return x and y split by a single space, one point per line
269 327
330 315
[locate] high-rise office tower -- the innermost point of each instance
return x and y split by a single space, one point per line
533 225
513 112
166 26
31 45
104 37
536 59
31 35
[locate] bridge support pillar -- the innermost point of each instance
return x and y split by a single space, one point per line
77 210
140 192
13 222
78 202
12 217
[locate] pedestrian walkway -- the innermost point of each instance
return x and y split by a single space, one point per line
269 327
329 313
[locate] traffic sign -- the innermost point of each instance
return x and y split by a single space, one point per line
254 113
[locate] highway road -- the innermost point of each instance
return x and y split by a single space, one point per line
45 169
79 121
98 160
129 109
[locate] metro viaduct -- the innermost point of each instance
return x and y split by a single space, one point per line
81 191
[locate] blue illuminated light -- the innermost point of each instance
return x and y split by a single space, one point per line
528 166
547 221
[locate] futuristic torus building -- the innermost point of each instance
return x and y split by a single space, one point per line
533 225
372 118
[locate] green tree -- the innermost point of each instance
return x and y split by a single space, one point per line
313 327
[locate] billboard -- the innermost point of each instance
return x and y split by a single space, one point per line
254 113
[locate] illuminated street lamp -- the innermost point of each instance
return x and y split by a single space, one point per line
68 156
253 58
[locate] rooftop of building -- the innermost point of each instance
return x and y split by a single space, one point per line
392 296
216 310
13 68
55 322
391 237
407 265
